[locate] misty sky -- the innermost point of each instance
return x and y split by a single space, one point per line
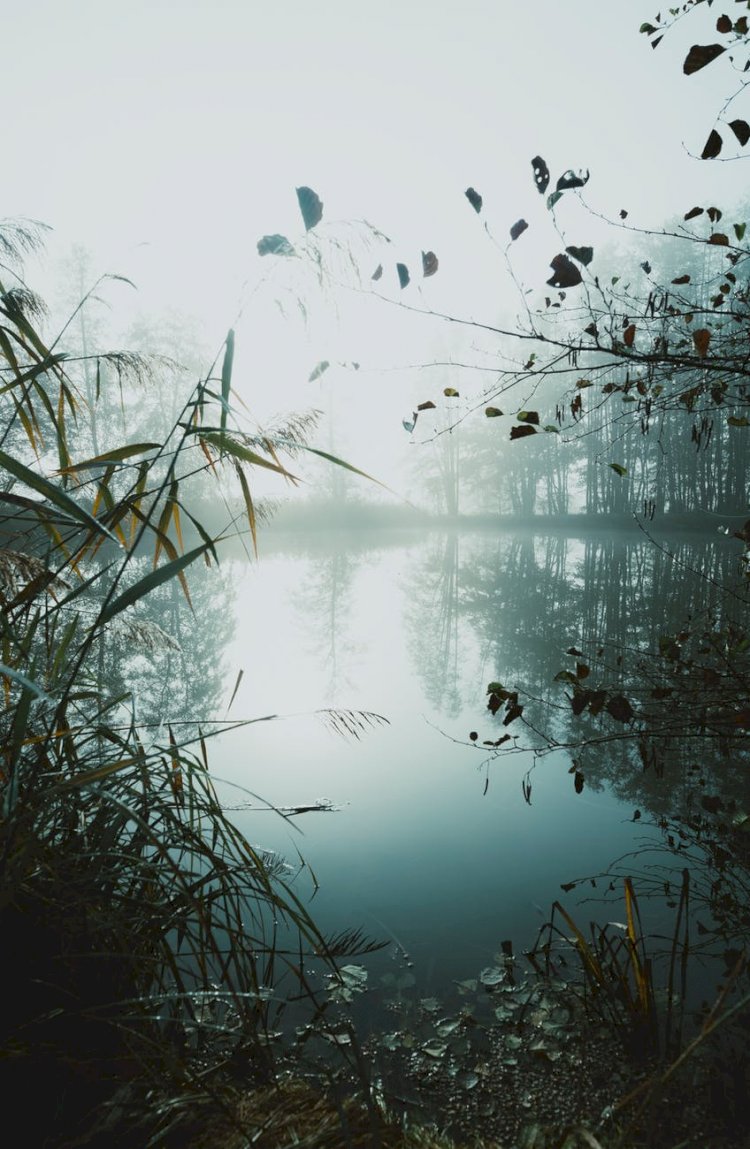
169 137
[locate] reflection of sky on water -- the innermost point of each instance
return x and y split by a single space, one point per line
417 851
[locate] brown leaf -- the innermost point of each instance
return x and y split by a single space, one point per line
522 431
719 238
620 708
682 279
541 174
428 406
712 147
700 55
694 211
701 339
629 335
566 274
724 24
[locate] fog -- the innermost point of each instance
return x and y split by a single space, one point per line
167 141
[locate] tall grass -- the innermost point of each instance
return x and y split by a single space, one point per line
148 946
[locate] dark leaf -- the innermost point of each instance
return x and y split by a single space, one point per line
681 279
474 199
575 651
694 211
646 267
724 24
629 335
738 421
377 273
584 255
567 886
578 781
579 702
648 28
429 263
310 206
522 431
275 245
403 274
528 417
714 214
739 231
619 469
741 129
620 708
712 803
700 55
566 274
655 43
450 392
541 174
428 406
513 712
492 412
518 228
623 213
592 330
719 238
552 199
319 370
636 815
473 736
701 340
713 146
582 670
571 179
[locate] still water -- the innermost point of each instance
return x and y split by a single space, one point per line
435 843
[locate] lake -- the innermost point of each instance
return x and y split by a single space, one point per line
441 846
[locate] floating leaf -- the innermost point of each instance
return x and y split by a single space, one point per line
377 273
566 274
310 206
629 335
492 977
701 340
429 263
403 274
584 255
434 1048
578 781
528 417
724 24
719 238
619 469
518 228
681 279
694 211
699 56
541 174
522 431
428 406
316 373
492 412
474 199
623 213
275 245
450 392
571 179
712 146
741 129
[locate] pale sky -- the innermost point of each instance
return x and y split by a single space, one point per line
168 137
